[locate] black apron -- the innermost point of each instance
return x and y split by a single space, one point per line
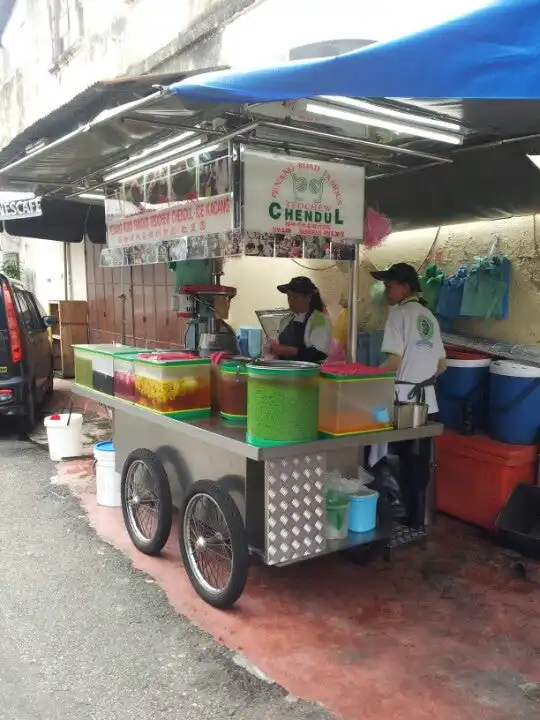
293 334
417 393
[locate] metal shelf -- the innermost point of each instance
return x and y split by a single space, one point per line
529 354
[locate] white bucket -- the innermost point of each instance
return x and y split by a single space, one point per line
64 440
108 481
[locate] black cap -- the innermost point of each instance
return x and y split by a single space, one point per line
301 285
402 273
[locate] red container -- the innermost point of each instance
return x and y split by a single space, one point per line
475 475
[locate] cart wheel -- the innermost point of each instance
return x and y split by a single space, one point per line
364 554
146 501
213 544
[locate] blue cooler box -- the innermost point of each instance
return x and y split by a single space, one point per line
514 396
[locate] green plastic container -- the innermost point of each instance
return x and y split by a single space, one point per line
337 515
282 403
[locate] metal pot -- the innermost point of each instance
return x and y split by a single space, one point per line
410 415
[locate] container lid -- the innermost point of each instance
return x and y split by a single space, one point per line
458 353
171 359
106 446
110 350
514 369
282 367
364 493
468 363
235 365
353 371
486 450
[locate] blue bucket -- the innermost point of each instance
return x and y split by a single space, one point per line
464 382
514 396
363 511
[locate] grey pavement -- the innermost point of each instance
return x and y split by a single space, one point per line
85 636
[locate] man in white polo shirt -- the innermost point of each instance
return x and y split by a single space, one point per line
414 350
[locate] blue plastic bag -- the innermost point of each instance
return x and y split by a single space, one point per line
451 295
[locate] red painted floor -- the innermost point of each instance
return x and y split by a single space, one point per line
443 634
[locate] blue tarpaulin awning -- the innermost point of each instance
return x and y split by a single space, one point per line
493 52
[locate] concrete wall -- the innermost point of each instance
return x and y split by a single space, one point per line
42 266
256 278
119 37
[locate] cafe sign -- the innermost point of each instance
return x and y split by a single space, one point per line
287 195
18 209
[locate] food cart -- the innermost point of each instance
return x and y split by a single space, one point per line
236 497
269 500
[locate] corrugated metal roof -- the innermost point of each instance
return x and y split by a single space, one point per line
103 95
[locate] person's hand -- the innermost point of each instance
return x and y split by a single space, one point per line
284 351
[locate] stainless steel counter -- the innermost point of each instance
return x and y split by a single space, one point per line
279 491
232 439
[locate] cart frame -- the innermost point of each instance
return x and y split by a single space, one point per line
279 492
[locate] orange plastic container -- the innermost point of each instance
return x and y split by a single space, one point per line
475 475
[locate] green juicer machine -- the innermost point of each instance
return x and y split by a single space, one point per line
201 299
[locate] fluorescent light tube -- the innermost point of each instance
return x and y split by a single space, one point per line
91 196
535 159
407 129
151 161
154 149
397 114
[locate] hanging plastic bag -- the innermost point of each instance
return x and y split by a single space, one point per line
431 283
337 352
486 288
378 296
451 295
377 228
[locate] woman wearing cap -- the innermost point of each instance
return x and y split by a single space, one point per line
306 334
414 351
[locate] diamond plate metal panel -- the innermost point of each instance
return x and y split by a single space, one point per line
295 508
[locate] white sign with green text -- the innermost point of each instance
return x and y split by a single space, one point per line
287 195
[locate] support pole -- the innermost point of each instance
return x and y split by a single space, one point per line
352 330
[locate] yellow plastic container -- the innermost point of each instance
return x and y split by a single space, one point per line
355 399
174 384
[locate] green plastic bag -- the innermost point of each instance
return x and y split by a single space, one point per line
378 296
431 283
485 288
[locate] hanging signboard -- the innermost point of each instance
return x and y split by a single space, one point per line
189 218
18 209
189 197
289 195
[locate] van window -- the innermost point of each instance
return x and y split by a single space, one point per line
22 305
36 314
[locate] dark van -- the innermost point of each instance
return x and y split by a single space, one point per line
26 359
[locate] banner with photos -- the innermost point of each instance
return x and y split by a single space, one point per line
233 243
203 247
189 197
293 247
